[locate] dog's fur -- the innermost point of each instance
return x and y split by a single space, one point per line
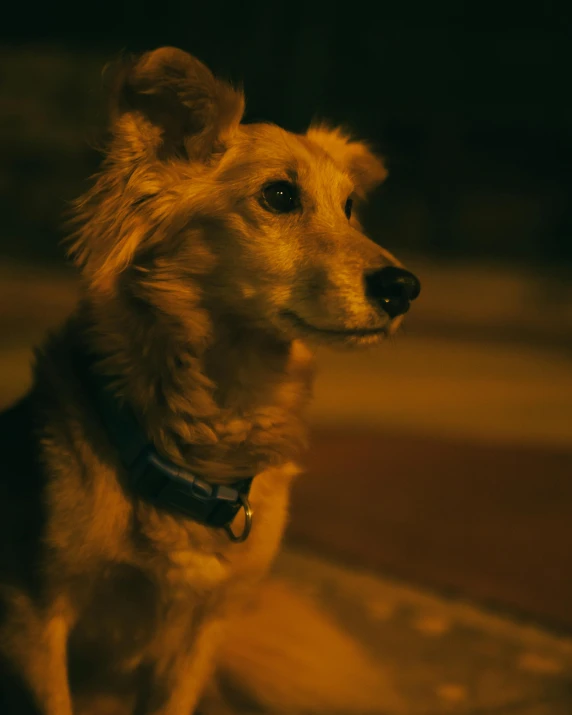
203 301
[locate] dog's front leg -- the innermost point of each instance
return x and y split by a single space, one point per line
33 646
188 672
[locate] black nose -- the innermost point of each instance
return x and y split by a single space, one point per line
392 289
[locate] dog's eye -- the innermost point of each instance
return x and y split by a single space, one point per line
348 208
281 197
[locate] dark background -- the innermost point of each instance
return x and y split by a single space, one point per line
471 103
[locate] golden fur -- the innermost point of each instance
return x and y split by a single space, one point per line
204 301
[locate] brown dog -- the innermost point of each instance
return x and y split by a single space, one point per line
145 477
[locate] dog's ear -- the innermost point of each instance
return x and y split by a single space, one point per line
169 103
355 157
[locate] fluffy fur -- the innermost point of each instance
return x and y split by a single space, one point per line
203 300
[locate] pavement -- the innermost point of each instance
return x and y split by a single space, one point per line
441 655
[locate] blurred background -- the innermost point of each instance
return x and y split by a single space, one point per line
443 459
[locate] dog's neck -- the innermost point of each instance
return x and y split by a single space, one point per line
225 409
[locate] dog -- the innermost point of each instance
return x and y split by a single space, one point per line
145 476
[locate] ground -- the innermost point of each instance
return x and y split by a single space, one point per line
443 656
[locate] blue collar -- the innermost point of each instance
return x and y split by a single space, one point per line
154 479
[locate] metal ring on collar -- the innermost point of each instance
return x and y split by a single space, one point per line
243 536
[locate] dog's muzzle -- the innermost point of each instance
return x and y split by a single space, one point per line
392 289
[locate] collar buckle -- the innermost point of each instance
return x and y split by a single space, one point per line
175 489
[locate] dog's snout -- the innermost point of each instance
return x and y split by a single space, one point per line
393 289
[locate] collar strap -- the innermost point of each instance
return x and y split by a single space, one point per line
151 477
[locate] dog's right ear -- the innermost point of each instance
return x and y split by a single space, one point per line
169 104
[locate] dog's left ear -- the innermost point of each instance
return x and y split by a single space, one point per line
170 104
364 168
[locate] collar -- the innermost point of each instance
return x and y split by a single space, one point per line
151 477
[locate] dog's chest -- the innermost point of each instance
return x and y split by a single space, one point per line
132 612
117 622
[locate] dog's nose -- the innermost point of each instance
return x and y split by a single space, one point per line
393 289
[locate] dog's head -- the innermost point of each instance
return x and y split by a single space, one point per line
247 221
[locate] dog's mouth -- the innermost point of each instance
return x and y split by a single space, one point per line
331 332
